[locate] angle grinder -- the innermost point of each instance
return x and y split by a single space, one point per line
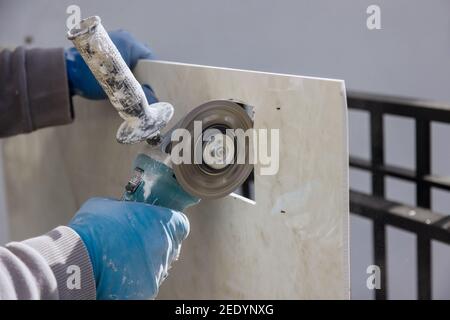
213 170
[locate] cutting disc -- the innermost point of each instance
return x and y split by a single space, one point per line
217 168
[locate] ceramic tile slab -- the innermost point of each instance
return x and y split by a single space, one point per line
292 242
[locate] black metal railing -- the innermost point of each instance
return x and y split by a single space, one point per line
424 223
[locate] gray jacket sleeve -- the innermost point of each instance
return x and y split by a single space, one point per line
34 91
53 266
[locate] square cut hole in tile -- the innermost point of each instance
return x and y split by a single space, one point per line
247 189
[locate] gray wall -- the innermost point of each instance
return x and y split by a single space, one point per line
409 56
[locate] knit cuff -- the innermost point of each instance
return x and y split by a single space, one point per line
49 99
69 260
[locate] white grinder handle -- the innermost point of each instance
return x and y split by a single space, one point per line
124 91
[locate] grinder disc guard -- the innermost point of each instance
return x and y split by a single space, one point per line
207 179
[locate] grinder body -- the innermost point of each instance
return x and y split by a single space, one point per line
154 183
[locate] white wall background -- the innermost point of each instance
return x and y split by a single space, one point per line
408 57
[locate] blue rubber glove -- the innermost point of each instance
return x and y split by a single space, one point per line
81 80
131 245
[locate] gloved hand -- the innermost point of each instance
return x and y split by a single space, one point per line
131 245
81 80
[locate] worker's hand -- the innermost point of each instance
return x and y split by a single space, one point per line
83 82
131 245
